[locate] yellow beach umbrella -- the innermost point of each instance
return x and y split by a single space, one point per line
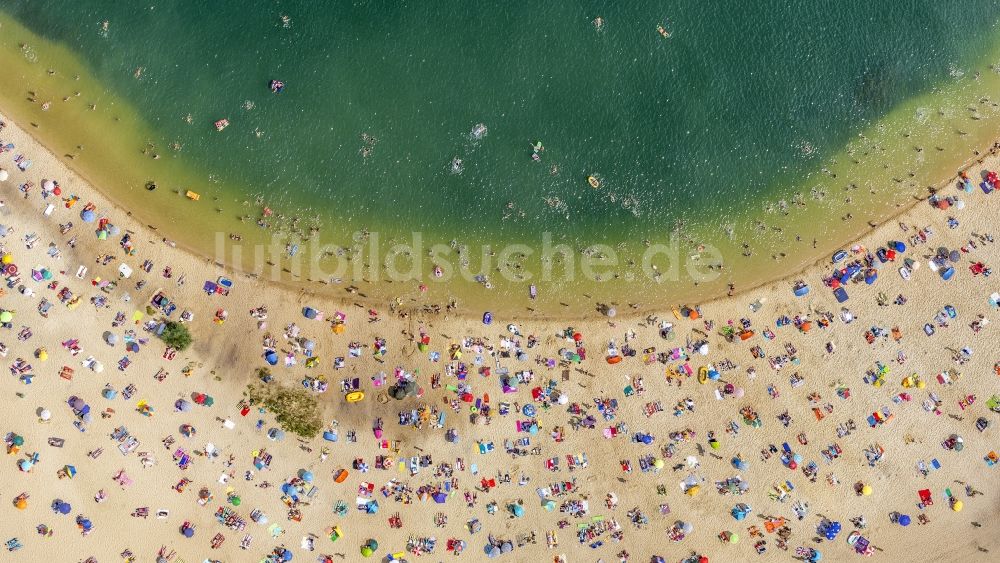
866 490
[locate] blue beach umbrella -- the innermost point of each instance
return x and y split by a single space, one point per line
271 357
88 216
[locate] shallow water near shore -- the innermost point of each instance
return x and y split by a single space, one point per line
738 128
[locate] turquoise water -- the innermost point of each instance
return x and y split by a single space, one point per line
741 105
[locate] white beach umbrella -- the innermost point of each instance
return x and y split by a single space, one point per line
48 185
45 415
3 175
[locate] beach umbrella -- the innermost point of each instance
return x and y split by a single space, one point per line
440 497
957 505
113 230
366 551
309 345
686 527
188 531
491 550
76 403
45 415
17 440
271 357
25 465
954 256
63 507
102 235
46 274
611 312
109 393
6 316
866 490
3 175
21 503
235 500
47 185
209 401
182 405
899 246
549 505
310 313
187 430
506 547
371 507
4 229
85 523
276 434
305 475
88 216
734 538
904 520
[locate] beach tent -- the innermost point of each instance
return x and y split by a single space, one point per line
440 497
801 289
271 357
947 273
841 294
310 313
125 271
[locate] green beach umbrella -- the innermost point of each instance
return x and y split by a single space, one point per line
6 316
366 551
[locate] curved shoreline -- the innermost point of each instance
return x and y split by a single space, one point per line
319 289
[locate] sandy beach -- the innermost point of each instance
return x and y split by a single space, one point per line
590 440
